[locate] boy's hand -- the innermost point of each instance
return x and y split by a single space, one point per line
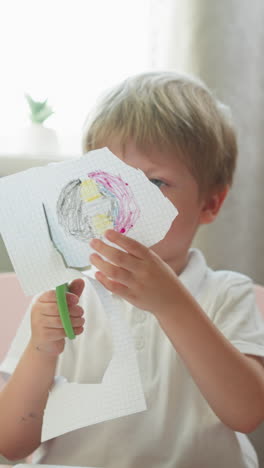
47 332
138 275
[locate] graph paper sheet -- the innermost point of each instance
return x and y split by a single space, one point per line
111 194
48 215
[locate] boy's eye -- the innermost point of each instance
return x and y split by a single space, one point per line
157 182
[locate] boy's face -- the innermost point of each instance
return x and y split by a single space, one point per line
176 182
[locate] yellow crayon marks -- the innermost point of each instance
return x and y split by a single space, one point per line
89 190
101 222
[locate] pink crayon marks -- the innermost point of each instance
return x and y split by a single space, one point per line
125 211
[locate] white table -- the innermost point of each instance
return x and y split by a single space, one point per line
12 162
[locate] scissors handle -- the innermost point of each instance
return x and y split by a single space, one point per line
63 310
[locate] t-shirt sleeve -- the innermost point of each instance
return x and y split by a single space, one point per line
238 317
18 344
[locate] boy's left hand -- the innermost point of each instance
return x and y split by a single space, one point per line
138 275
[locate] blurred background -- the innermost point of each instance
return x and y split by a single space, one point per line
70 51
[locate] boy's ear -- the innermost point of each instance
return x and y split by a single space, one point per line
212 204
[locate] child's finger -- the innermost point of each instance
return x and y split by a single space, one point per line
78 330
130 245
77 286
76 311
55 322
48 296
51 308
53 311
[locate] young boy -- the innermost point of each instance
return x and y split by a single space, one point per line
197 332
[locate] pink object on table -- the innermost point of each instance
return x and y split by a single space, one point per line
259 291
13 304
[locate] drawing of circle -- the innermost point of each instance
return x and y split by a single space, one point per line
85 209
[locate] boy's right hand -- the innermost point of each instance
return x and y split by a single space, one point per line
47 332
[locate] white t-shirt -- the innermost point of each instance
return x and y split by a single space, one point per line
179 429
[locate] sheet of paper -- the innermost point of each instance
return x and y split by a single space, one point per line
101 190
48 215
119 394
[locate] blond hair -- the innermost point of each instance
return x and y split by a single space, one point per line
172 110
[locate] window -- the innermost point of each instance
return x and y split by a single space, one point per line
68 51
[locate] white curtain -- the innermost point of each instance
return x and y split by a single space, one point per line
223 43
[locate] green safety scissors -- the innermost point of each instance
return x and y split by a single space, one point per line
63 310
